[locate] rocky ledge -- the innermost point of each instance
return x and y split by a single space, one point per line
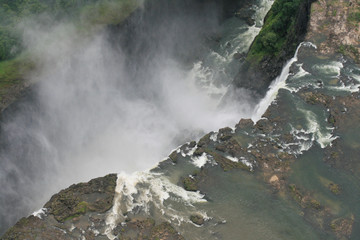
270 150
285 150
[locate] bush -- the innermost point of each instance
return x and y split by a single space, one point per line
279 22
12 11
269 40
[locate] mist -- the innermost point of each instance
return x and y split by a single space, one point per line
109 100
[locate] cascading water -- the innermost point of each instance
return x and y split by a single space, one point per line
100 106
236 202
278 83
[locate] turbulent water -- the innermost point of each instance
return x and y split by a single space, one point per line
239 203
119 102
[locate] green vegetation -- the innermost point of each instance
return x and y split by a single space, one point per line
279 23
108 12
334 188
12 70
314 204
354 17
14 64
350 51
12 12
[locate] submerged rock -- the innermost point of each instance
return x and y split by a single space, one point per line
197 219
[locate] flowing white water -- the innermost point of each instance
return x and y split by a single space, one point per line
217 70
278 83
149 192
97 110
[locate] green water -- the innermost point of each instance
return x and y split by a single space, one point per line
241 204
251 210
312 173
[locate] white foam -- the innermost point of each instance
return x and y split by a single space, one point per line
200 161
40 213
333 68
261 11
204 76
214 136
324 139
349 88
145 191
301 73
72 228
187 151
278 83
247 163
233 159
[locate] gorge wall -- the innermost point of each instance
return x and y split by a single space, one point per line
284 28
298 164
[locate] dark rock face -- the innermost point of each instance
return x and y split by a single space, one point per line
68 205
267 146
146 229
96 196
79 212
257 76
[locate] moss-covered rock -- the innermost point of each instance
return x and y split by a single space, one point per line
227 164
197 219
334 188
165 231
284 28
342 227
141 228
96 195
190 184
173 156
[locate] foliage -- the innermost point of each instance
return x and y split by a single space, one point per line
354 17
279 23
109 12
14 63
12 70
12 12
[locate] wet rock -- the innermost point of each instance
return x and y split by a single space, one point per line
264 126
244 123
225 134
221 147
247 15
274 179
198 152
239 56
173 156
205 140
315 98
342 227
225 163
334 188
331 119
190 184
192 144
96 195
165 231
335 22
34 228
313 203
146 229
197 219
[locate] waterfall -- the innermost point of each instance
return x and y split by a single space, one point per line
278 83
